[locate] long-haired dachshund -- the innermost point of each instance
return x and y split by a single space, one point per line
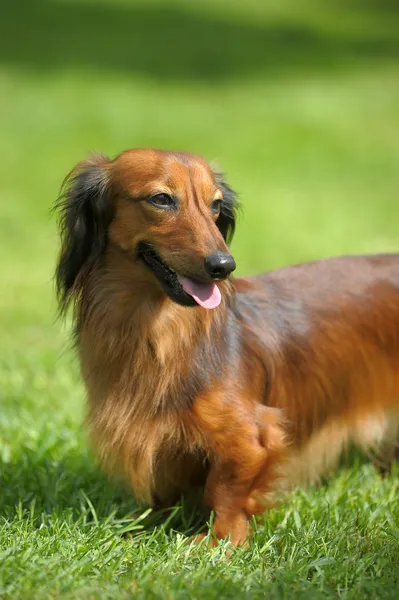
247 386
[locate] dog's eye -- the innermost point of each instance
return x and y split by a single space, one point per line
162 201
216 206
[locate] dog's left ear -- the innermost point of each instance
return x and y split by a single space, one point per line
226 221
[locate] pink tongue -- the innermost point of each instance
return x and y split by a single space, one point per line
206 295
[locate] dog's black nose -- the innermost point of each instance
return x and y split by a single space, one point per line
219 265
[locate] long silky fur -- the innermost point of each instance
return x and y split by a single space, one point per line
287 372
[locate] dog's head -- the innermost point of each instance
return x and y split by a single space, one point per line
168 211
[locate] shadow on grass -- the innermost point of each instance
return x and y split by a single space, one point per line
183 43
78 488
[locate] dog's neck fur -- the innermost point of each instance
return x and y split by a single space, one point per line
121 302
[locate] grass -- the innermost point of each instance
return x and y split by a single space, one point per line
301 108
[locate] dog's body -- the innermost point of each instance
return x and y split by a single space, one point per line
255 389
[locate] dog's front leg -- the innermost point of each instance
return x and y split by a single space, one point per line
232 435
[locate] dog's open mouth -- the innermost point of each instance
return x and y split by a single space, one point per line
183 290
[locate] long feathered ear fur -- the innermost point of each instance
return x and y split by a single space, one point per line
226 221
84 213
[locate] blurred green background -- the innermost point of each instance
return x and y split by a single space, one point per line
298 102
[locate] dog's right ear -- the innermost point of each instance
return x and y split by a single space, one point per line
226 221
85 212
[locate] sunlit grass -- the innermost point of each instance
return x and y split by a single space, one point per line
306 125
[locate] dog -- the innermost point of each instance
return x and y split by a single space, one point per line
246 387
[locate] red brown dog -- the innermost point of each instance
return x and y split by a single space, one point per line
245 385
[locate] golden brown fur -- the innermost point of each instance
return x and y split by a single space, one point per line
248 398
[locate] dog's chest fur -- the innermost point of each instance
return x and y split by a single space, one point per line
141 381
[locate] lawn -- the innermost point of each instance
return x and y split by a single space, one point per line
301 108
